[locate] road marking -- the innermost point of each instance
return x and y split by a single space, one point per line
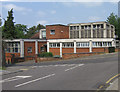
112 78
23 69
74 67
14 78
34 80
56 65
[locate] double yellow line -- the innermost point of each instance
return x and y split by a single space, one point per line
112 78
107 83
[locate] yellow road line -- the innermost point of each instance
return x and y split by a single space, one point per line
112 78
23 69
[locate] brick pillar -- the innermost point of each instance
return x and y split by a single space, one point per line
22 48
60 49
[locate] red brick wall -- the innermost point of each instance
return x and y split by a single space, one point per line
68 56
58 34
67 50
8 56
41 44
29 44
100 50
55 51
78 50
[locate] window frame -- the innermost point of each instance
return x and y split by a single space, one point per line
29 48
52 32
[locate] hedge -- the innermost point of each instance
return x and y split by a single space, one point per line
45 54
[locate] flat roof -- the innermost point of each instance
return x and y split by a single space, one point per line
89 22
56 25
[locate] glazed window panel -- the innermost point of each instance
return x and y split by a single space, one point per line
54 45
29 49
52 32
13 47
69 44
82 44
102 44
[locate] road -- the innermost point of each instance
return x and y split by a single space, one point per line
76 74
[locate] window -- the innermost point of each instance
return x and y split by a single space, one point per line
43 34
68 44
71 27
82 27
29 49
42 49
82 44
102 44
77 27
52 32
13 47
54 45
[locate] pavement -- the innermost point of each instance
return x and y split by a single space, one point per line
24 66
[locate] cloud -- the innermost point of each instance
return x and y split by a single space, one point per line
41 13
43 22
53 12
16 8
87 4
94 18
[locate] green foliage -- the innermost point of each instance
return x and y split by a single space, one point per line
9 28
45 54
115 20
111 49
0 22
21 30
33 30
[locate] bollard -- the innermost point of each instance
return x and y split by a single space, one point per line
35 58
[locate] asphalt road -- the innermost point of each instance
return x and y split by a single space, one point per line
75 74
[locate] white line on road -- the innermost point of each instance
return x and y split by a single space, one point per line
74 67
34 80
14 78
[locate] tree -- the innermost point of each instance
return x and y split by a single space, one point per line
115 20
33 30
21 30
0 22
9 28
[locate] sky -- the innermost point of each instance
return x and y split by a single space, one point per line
47 13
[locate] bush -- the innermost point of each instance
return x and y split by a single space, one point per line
111 49
45 54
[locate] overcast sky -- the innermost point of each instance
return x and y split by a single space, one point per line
33 13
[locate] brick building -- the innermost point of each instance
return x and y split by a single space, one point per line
71 38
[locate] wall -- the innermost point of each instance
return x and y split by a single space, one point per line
55 51
82 50
42 44
58 34
67 50
100 50
8 56
75 55
26 53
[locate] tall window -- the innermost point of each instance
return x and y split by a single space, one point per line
42 49
13 47
52 32
43 34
